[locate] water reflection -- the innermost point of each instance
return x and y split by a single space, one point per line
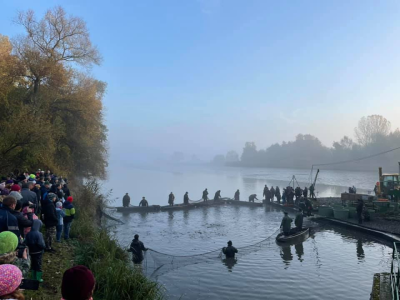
360 250
229 263
170 217
286 254
186 216
299 251
143 216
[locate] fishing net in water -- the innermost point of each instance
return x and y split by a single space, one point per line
157 263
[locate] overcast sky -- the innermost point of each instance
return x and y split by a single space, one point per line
205 76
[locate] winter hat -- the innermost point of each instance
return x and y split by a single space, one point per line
8 242
46 183
33 176
50 196
9 181
16 188
70 199
77 284
58 204
10 279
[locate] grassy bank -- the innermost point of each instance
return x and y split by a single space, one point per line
99 251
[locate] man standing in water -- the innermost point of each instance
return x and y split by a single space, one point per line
229 251
126 201
137 249
186 198
171 199
299 220
143 202
237 195
205 195
217 195
360 208
286 224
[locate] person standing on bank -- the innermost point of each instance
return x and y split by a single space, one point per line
49 216
137 248
229 251
205 195
69 216
126 201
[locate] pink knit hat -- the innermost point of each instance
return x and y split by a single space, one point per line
10 279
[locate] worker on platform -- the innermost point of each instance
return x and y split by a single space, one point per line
205 195
272 193
308 206
266 193
137 248
143 202
229 251
217 195
252 197
186 198
284 196
278 194
126 201
360 208
298 221
171 199
312 195
237 195
286 224
298 193
305 192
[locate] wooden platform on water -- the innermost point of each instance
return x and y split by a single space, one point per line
177 207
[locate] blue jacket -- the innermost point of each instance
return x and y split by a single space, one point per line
60 215
8 222
34 239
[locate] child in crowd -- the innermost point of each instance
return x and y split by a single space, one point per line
78 284
10 280
35 242
60 216
69 216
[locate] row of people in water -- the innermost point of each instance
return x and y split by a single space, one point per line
288 195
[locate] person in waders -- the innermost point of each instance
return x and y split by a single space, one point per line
126 201
217 195
205 195
144 202
229 251
286 224
360 208
171 199
252 197
299 221
186 198
137 248
237 195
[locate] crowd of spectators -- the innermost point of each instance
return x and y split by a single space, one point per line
27 201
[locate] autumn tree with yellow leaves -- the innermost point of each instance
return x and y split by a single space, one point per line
51 112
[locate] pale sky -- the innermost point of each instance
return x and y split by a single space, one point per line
205 76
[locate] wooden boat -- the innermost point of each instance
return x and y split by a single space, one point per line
294 236
139 208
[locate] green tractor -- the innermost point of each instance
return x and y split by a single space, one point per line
388 186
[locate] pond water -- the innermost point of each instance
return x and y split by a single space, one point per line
332 264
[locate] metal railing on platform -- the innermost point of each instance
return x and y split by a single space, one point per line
395 272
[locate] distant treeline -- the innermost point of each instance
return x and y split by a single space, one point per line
373 135
51 107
